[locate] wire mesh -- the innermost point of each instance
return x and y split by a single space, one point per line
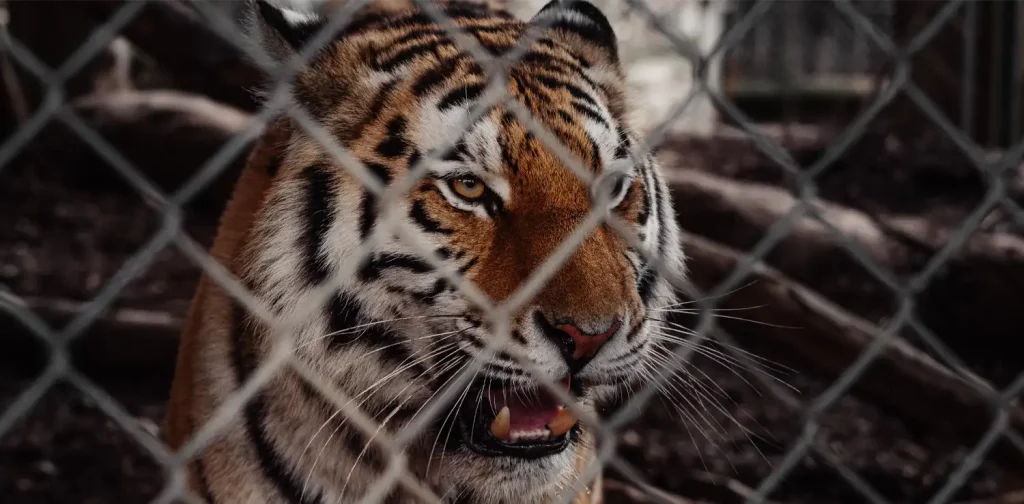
171 234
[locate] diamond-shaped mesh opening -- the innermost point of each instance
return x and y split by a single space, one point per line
789 54
67 446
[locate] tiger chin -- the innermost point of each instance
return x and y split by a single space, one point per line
388 329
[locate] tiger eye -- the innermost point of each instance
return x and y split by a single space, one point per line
468 187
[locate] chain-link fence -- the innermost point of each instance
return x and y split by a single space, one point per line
990 417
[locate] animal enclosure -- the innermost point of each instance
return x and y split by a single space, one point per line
853 331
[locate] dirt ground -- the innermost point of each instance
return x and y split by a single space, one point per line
56 240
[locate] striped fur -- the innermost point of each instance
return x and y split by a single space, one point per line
390 88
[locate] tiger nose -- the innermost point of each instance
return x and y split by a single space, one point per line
578 343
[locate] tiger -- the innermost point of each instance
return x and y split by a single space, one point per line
392 328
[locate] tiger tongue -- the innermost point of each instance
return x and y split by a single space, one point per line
529 411
525 413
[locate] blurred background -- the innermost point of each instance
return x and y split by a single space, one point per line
848 172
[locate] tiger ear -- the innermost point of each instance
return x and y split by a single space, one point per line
282 31
583 28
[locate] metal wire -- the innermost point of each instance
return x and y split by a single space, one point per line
280 101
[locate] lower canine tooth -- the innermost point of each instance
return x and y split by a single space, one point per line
562 422
500 425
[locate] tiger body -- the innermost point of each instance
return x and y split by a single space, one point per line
391 331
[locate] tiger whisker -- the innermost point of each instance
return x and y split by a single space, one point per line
726 361
761 364
720 296
682 329
441 362
476 410
703 393
443 336
365 392
648 372
359 327
680 378
667 356
742 319
458 405
694 382
366 447
673 394
445 362
695 311
433 446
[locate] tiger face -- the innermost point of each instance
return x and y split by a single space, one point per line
494 203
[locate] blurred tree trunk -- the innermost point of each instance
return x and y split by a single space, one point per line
966 69
197 59
52 31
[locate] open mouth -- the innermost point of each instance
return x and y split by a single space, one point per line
508 421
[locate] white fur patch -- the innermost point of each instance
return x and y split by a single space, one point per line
298 11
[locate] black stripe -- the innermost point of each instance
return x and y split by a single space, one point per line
595 160
274 166
458 12
460 152
568 118
271 463
431 41
376 105
623 150
546 42
394 144
618 186
435 76
574 90
508 119
439 287
318 213
464 496
597 30
506 156
344 312
472 262
373 268
418 213
523 80
634 349
356 441
634 331
425 298
295 34
373 21
204 483
416 35
591 113
497 47
409 53
554 62
369 210
645 284
518 337
460 95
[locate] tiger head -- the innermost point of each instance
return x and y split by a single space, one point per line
495 201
